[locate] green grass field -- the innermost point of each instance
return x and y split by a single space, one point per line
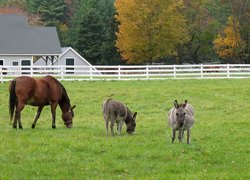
219 149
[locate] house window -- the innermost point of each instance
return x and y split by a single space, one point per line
25 63
4 69
15 63
70 62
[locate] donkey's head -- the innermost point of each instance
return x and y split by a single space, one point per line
131 122
180 112
68 117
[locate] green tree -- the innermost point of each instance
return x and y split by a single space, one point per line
102 12
52 11
90 37
202 28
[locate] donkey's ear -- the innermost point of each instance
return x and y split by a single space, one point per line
134 115
185 103
73 107
176 105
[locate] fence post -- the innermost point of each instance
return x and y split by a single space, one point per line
31 70
90 72
174 71
20 70
62 73
147 71
1 74
201 70
119 72
228 71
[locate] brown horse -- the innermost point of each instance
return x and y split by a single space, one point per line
39 92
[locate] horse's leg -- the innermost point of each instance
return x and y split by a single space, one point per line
173 135
39 110
188 135
53 112
17 114
19 108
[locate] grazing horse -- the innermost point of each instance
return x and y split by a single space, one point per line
181 117
39 92
118 112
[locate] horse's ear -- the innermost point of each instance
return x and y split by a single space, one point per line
73 107
176 105
134 115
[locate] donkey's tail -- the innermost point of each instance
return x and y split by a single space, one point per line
104 108
12 99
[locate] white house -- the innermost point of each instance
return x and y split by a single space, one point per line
69 57
21 44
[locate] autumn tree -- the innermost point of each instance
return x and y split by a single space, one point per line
241 16
202 31
149 29
229 44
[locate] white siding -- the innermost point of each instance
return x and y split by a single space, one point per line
8 60
71 54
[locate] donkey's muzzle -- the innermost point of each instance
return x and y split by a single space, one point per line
131 132
69 125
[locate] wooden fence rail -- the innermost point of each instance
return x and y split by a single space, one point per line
142 72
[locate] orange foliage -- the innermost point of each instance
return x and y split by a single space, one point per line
229 43
149 29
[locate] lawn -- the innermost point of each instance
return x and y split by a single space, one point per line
219 149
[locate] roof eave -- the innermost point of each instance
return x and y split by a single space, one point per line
30 54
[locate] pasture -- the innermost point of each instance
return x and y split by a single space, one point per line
219 149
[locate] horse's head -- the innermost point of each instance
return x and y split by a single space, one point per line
68 117
131 122
180 113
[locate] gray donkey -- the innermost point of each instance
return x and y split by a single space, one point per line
118 112
181 117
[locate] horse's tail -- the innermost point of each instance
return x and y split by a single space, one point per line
12 99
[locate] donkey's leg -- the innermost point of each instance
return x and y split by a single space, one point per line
107 125
173 135
119 127
180 135
39 110
112 126
53 113
188 136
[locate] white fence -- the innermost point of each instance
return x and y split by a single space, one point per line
143 72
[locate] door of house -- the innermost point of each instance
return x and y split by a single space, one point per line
25 63
70 62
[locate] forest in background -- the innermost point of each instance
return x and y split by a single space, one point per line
145 31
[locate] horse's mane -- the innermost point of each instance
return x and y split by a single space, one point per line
65 96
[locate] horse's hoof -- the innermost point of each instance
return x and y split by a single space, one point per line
33 126
53 126
20 127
